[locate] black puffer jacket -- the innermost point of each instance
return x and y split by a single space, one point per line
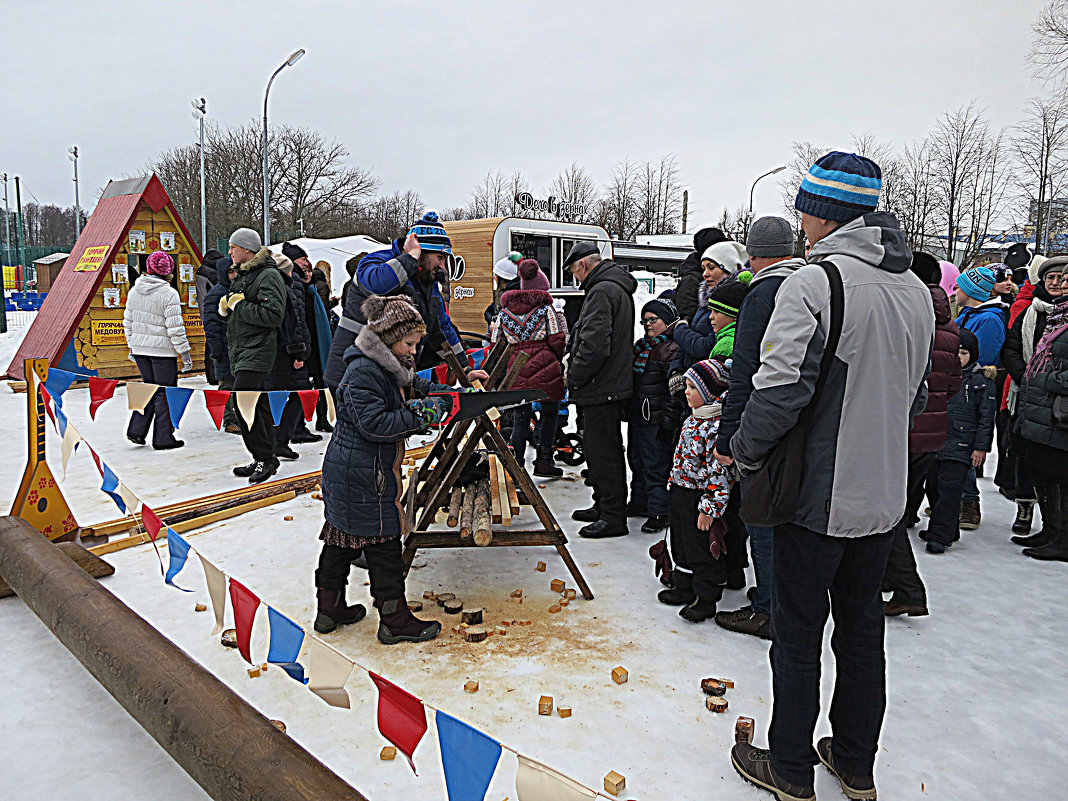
971 415
690 279
601 362
214 325
652 404
294 339
1039 390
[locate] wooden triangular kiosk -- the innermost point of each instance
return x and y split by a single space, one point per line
475 509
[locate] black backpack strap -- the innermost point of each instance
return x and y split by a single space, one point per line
833 323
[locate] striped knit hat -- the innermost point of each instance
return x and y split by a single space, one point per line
840 187
710 378
432 234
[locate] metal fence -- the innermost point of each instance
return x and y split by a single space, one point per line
17 320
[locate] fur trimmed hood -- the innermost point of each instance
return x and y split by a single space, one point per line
368 344
524 301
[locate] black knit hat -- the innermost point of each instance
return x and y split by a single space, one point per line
926 267
706 238
727 296
662 308
293 252
970 343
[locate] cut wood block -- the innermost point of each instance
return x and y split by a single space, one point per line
743 730
317 496
415 606
614 783
729 683
507 622
200 608
229 638
713 686
443 597
471 616
453 607
387 753
475 634
716 704
554 609
540 567
556 585
455 502
264 667
287 518
502 490
563 602
545 705
570 594
457 629
524 623
563 711
513 495
495 489
429 595
471 687
517 593
502 630
279 725
254 672
620 675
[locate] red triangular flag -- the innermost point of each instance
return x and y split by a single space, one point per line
401 717
46 398
96 459
100 390
151 521
308 399
215 400
245 605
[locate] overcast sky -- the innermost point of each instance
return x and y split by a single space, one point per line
432 95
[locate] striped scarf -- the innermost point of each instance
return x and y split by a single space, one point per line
643 347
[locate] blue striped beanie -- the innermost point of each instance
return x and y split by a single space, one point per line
432 234
840 187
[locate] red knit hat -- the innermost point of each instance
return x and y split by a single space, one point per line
531 276
160 263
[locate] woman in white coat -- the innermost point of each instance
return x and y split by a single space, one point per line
156 337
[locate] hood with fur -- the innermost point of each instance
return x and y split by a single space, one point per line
368 344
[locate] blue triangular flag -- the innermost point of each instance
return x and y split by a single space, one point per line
57 383
111 486
178 549
469 758
286 639
278 401
177 400
61 422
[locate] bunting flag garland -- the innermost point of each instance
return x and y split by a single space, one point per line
277 402
61 422
46 401
177 400
246 406
328 670
401 718
138 396
96 460
215 400
245 605
331 412
308 399
110 486
100 390
216 581
468 757
69 444
286 639
178 550
58 382
128 496
151 521
537 782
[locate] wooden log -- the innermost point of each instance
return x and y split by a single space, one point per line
225 745
713 687
90 563
472 617
475 634
454 506
715 703
495 490
743 730
482 530
467 514
444 597
453 607
502 488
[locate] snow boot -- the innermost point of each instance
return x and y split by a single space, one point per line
303 435
698 611
1036 540
1054 520
1025 514
263 471
894 608
681 594
396 623
970 515
858 788
333 611
754 765
285 452
590 515
543 465
655 524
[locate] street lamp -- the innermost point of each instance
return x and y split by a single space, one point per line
77 203
200 111
289 62
753 187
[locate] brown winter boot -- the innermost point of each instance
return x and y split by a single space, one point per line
543 465
333 611
396 623
970 516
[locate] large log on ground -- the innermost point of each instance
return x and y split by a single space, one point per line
225 745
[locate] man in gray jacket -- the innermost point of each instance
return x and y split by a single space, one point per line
831 555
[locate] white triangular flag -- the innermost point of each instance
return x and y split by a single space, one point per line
246 405
537 782
331 410
328 670
70 439
139 395
216 581
128 498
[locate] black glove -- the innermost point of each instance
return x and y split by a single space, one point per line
677 384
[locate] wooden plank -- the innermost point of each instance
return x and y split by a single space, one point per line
502 488
495 490
513 496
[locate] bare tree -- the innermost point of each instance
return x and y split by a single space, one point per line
576 193
660 196
915 203
805 155
1040 146
620 209
387 218
1049 43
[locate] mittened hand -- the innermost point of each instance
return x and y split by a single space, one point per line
429 411
233 300
187 362
677 384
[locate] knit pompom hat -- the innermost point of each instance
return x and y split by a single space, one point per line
159 263
840 187
710 378
392 318
531 276
431 234
663 308
977 283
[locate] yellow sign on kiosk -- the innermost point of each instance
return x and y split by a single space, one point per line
92 259
108 332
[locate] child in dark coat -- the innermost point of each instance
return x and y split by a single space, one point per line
380 403
969 436
700 491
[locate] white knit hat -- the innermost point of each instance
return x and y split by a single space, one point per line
506 268
729 256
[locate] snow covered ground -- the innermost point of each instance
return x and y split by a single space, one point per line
977 705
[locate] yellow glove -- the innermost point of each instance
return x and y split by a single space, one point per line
228 303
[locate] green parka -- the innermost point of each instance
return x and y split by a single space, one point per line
252 326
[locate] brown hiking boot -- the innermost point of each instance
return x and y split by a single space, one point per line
894 608
970 516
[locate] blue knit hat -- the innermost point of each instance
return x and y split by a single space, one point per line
432 234
977 283
840 187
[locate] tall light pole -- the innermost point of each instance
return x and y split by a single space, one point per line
77 205
200 110
7 225
753 187
289 62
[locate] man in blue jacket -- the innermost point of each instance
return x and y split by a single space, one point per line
405 268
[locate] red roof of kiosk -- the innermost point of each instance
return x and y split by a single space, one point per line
71 293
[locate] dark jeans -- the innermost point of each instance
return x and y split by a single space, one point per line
945 482
689 545
901 572
162 370
550 412
259 440
919 465
736 556
762 544
1025 488
603 448
293 412
649 453
1048 468
385 567
816 574
1005 475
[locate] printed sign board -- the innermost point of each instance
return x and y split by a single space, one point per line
92 259
108 332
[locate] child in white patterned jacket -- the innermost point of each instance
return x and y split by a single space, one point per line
699 491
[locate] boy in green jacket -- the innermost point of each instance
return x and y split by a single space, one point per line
724 302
